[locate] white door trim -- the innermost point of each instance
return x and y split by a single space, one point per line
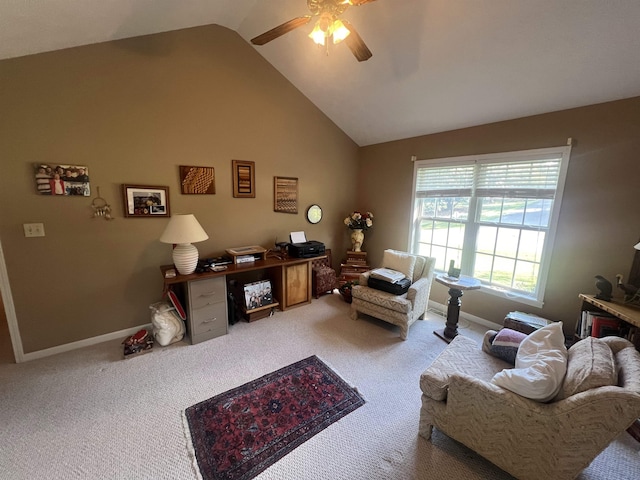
10 311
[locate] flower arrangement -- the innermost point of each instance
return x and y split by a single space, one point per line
345 290
359 221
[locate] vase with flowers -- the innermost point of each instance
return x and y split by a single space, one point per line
358 222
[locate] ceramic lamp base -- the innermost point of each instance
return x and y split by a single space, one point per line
185 258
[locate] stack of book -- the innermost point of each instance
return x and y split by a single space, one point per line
598 324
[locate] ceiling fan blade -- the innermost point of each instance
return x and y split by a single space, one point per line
357 3
280 30
356 44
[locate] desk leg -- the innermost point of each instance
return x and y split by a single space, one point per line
453 314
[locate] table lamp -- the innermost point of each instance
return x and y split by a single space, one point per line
183 230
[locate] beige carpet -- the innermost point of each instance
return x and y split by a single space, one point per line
89 414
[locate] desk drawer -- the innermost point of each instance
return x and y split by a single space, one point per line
210 318
207 292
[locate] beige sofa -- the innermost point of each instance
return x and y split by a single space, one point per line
528 439
401 310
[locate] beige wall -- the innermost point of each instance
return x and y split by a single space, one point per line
133 111
599 219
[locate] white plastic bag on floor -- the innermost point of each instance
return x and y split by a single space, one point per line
168 327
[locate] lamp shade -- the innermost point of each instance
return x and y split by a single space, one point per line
183 230
637 246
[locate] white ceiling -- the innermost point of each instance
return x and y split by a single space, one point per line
437 65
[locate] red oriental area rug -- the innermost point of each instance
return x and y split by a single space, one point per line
239 433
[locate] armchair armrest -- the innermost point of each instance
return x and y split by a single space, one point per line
418 294
364 278
574 413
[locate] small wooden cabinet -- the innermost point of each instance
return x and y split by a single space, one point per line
297 281
206 309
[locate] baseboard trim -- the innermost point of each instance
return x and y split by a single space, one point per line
87 342
465 316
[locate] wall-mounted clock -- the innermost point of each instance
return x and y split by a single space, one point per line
314 214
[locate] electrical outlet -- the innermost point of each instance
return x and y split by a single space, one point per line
33 229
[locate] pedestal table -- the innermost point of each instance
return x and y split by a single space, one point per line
456 288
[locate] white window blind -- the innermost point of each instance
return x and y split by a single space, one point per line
456 181
531 179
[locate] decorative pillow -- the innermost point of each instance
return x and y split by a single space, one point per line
400 261
590 364
506 343
541 364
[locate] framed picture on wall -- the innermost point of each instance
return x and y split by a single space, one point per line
197 180
144 201
285 194
243 172
59 179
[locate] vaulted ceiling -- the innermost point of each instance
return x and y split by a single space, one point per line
437 65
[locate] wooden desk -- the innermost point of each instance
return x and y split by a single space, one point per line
290 278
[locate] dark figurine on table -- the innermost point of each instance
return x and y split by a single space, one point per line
605 287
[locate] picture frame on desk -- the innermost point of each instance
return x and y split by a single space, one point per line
145 201
258 294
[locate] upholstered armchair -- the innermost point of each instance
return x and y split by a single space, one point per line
401 310
529 439
323 276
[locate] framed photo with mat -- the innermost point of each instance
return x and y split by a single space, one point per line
144 201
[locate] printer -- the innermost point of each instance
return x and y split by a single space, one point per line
311 248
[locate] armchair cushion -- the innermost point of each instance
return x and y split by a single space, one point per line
399 261
541 364
590 364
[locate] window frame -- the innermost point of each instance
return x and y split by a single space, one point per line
473 223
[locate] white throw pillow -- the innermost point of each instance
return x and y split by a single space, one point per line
399 261
541 364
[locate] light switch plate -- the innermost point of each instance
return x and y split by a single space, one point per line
33 229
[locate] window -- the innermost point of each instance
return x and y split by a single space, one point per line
493 215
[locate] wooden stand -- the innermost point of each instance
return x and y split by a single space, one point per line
260 312
456 287
355 264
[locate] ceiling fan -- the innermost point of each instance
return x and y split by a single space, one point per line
329 26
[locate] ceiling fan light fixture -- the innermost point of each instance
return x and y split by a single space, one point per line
317 35
339 31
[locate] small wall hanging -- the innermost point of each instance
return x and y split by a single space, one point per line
101 209
243 172
285 194
197 180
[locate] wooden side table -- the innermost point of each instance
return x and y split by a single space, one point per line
456 288
355 264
